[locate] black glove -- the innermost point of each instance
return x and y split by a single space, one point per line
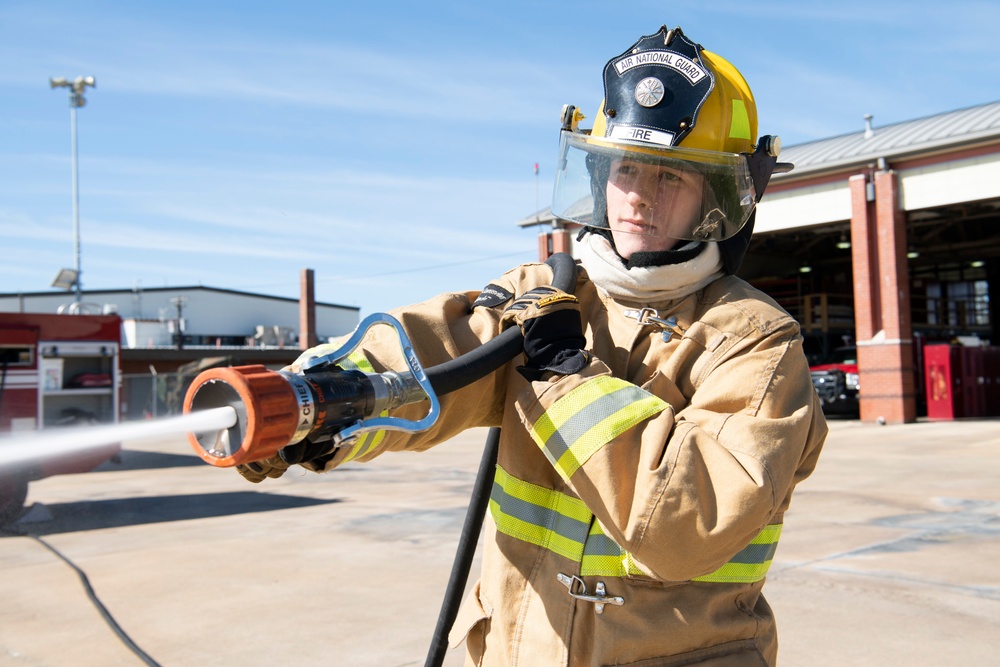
553 332
307 451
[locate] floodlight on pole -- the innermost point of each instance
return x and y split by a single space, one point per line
76 100
66 279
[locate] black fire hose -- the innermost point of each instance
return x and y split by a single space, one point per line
482 361
445 378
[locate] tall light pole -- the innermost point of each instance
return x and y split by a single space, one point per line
76 100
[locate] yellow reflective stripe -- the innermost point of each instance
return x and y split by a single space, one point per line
589 417
563 524
752 563
739 126
357 361
367 442
602 557
539 516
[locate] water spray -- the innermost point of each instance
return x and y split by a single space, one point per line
37 445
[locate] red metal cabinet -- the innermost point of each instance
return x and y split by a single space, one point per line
942 380
961 381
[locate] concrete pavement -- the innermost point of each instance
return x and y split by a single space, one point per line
888 556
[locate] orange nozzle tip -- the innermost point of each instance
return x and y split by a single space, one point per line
267 409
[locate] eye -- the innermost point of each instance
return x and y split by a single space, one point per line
668 176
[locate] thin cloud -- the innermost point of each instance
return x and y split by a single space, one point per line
166 62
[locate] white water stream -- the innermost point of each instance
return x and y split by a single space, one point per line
36 445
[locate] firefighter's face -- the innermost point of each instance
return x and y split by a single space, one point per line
649 205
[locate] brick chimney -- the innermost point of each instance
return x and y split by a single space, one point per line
307 310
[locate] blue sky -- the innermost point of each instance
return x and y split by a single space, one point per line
390 146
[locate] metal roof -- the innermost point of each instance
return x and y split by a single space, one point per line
542 217
942 131
106 293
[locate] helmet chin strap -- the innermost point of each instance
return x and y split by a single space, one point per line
676 255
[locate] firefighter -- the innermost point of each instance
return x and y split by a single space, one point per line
660 416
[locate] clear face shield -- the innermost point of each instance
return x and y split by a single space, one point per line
664 194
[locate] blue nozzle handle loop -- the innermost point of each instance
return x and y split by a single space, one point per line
415 374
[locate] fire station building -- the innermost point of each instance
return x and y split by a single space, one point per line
887 239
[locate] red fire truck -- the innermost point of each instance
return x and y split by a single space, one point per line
55 370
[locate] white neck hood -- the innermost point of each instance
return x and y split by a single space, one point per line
654 284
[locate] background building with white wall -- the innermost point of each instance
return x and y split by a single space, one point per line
209 316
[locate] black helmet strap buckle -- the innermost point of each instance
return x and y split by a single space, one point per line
764 161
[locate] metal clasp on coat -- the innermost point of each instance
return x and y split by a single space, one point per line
578 589
668 326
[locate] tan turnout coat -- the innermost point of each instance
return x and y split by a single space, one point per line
657 477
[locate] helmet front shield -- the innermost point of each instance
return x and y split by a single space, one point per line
641 188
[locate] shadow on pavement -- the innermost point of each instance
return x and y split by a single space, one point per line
133 460
97 514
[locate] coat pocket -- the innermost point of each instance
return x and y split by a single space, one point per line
472 624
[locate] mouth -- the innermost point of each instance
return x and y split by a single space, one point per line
635 226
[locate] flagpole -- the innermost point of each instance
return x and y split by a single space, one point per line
536 192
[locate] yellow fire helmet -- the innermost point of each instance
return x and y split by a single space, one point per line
679 124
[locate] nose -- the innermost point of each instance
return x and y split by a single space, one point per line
641 191
635 199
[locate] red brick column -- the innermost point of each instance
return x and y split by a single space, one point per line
882 301
560 240
864 260
544 246
549 243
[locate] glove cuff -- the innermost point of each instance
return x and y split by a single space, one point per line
565 362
